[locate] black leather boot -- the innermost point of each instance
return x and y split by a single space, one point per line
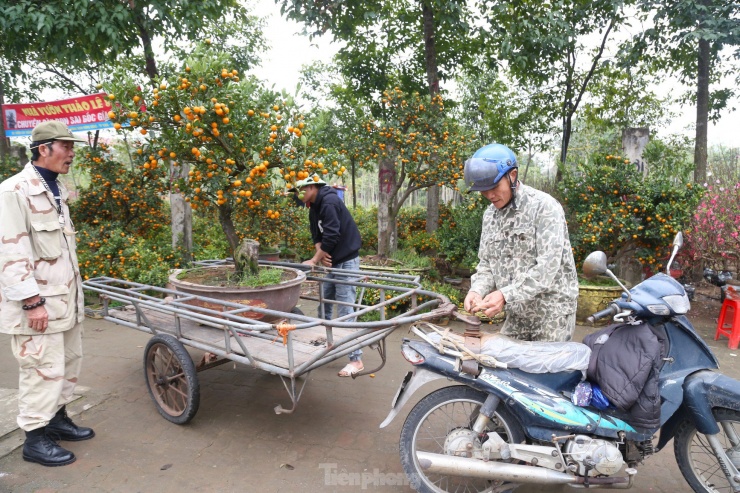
43 450
61 427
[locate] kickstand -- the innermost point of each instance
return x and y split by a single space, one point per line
381 351
294 391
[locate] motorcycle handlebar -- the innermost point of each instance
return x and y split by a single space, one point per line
609 311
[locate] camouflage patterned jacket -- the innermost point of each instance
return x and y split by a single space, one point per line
525 253
37 255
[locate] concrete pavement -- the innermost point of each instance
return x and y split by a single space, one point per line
236 443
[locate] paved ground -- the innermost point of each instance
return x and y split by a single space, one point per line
236 443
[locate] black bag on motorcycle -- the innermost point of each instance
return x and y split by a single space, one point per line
625 362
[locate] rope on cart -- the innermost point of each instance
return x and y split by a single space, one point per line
447 343
283 329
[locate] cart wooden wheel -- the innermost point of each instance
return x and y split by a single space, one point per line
171 379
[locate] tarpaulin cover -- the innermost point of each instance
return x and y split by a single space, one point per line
532 357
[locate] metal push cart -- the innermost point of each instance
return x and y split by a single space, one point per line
290 345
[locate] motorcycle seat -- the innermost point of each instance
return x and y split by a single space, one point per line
563 381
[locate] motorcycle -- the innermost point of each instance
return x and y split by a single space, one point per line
719 279
503 427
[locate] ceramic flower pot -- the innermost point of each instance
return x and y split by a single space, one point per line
591 299
282 297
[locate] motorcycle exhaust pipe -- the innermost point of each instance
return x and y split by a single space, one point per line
515 473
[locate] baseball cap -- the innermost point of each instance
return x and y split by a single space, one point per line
307 181
53 130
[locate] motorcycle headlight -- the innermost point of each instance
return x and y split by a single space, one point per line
679 303
659 309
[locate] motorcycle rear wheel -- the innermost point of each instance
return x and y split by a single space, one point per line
695 457
431 422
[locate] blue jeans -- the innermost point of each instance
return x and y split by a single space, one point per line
341 292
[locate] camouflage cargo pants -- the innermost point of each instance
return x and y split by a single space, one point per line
49 365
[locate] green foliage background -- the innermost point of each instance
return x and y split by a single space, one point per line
613 208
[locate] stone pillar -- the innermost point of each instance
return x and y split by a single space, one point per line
634 141
629 269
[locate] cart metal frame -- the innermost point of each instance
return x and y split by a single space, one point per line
291 346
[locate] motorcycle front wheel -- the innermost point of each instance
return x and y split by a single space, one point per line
440 422
695 457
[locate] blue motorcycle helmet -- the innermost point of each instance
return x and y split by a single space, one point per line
488 166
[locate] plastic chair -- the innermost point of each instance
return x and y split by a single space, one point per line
728 324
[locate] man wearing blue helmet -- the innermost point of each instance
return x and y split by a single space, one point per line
525 258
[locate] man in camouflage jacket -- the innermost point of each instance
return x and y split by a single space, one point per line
525 258
41 302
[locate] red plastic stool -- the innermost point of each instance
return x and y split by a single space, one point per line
729 323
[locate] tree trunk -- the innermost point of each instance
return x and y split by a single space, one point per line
529 161
354 189
430 56
573 95
181 216
567 129
246 258
432 208
227 225
4 145
628 268
146 42
151 65
702 112
567 115
387 229
430 50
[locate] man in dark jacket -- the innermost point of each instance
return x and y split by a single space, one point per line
337 242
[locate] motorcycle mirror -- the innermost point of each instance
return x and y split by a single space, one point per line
677 244
594 265
678 240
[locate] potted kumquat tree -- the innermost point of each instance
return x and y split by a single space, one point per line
234 146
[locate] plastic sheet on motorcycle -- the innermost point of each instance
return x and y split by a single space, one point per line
537 357
532 357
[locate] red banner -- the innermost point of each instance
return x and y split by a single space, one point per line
79 114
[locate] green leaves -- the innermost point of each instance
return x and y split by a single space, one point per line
610 207
677 26
385 40
689 40
544 45
76 36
